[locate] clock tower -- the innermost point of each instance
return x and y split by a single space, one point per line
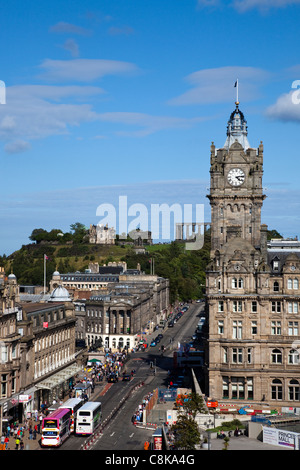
236 194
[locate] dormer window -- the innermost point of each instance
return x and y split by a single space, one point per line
275 265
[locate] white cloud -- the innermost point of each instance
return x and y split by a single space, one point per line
124 30
242 6
17 146
71 46
286 107
35 111
262 5
84 70
69 28
148 123
38 111
217 85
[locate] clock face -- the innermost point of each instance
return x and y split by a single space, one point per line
236 176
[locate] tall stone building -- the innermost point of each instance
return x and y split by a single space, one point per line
252 293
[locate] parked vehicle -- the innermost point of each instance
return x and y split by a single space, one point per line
112 378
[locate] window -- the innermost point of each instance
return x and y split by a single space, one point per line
225 387
254 306
237 329
249 355
4 354
292 307
237 388
220 327
241 283
3 390
276 390
225 355
254 327
237 306
290 284
293 357
276 327
237 355
293 328
276 356
276 307
275 266
234 283
250 388
294 390
276 286
220 306
295 284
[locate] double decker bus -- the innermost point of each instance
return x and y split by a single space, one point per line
73 404
56 427
88 417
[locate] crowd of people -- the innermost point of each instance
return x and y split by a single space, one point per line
137 417
112 363
16 433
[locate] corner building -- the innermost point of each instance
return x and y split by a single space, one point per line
252 293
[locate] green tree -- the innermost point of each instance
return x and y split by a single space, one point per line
79 232
186 432
195 404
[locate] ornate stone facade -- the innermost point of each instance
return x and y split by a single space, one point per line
252 293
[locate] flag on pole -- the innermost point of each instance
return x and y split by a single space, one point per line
46 257
235 85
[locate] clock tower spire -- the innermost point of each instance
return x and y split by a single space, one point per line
236 194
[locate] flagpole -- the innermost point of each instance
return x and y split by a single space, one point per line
237 90
44 274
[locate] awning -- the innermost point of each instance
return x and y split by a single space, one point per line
59 378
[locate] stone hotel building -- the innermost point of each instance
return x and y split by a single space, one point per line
252 286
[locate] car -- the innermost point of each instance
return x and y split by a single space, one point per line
126 378
112 378
157 339
153 343
160 336
170 324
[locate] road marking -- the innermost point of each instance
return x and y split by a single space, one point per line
112 434
131 435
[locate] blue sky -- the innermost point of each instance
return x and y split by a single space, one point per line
124 97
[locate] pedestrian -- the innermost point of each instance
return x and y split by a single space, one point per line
6 442
17 441
34 434
21 444
2 447
30 432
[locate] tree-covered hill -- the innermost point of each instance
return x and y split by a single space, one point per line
70 252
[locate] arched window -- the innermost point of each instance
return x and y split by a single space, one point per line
296 284
276 286
293 356
276 389
294 390
276 356
290 284
241 283
234 283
